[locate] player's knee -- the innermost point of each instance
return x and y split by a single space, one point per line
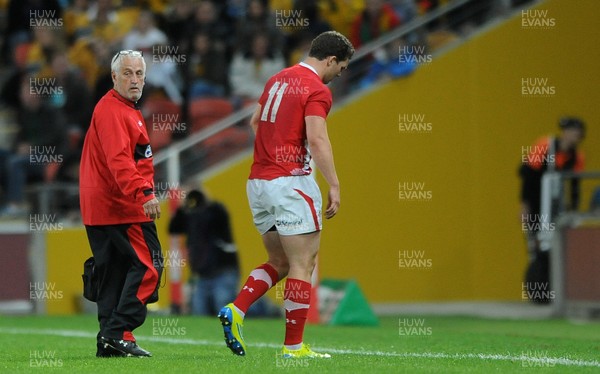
306 267
311 262
282 266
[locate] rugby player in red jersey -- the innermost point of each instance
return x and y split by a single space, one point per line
291 129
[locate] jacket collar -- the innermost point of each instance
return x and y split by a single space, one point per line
128 102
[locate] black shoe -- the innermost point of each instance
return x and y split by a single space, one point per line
127 347
108 351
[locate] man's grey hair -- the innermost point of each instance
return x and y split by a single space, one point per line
115 65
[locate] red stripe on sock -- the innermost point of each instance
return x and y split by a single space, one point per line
272 273
298 291
253 289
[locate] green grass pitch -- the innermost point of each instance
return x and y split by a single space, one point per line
403 344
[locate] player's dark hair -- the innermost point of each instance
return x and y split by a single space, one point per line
331 43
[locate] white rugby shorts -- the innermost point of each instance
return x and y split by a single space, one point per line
291 204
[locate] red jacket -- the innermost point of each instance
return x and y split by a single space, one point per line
116 172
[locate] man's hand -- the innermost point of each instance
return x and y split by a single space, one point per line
152 208
333 203
320 148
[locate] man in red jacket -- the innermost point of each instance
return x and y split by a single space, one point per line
118 207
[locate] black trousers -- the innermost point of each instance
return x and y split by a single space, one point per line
129 265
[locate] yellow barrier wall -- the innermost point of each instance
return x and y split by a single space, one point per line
67 250
468 233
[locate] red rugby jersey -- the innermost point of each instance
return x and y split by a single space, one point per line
280 147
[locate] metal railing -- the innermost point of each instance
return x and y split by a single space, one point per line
553 200
553 206
171 156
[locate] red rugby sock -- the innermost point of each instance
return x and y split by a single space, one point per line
258 283
296 301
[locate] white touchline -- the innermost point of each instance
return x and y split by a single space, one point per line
440 355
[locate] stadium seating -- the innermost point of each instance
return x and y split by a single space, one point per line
227 142
20 55
50 171
155 111
206 111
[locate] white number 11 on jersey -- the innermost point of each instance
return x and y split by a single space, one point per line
274 91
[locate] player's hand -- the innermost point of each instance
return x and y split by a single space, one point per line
333 203
152 208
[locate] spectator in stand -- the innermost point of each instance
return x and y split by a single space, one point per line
377 19
39 142
45 42
175 23
76 98
103 79
207 69
424 6
236 9
145 35
12 84
300 52
75 102
82 56
311 25
257 19
340 14
162 71
206 19
77 22
387 62
163 77
104 22
18 20
316 23
405 9
250 71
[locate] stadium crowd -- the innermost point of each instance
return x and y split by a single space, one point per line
205 59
